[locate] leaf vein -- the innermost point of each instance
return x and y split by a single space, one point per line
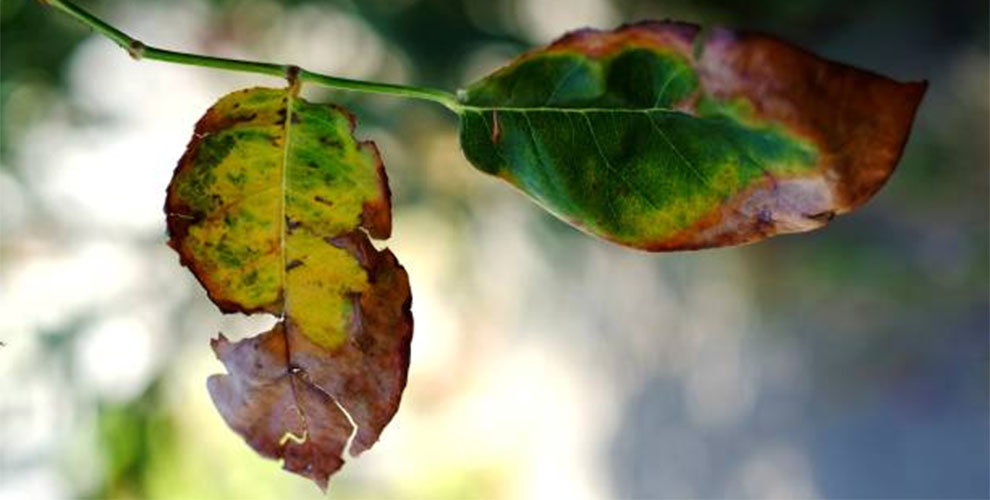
548 109
594 138
561 82
683 158
663 89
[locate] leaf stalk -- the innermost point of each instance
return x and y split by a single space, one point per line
138 50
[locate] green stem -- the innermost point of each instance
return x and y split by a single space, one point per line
139 50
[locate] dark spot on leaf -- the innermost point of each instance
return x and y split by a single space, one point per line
765 216
329 142
226 255
293 264
822 216
212 151
250 278
365 342
237 178
320 199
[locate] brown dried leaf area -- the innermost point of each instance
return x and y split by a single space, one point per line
294 400
271 208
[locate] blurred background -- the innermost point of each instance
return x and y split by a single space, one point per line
851 362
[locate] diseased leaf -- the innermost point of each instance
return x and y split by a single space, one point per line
269 207
655 137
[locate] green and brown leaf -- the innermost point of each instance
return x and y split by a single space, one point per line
271 207
655 137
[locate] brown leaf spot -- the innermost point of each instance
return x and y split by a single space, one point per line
291 224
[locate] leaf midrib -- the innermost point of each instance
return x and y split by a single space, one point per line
547 109
584 112
284 191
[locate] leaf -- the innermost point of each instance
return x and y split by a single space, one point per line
269 207
655 137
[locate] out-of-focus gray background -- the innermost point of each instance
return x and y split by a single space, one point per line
847 363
